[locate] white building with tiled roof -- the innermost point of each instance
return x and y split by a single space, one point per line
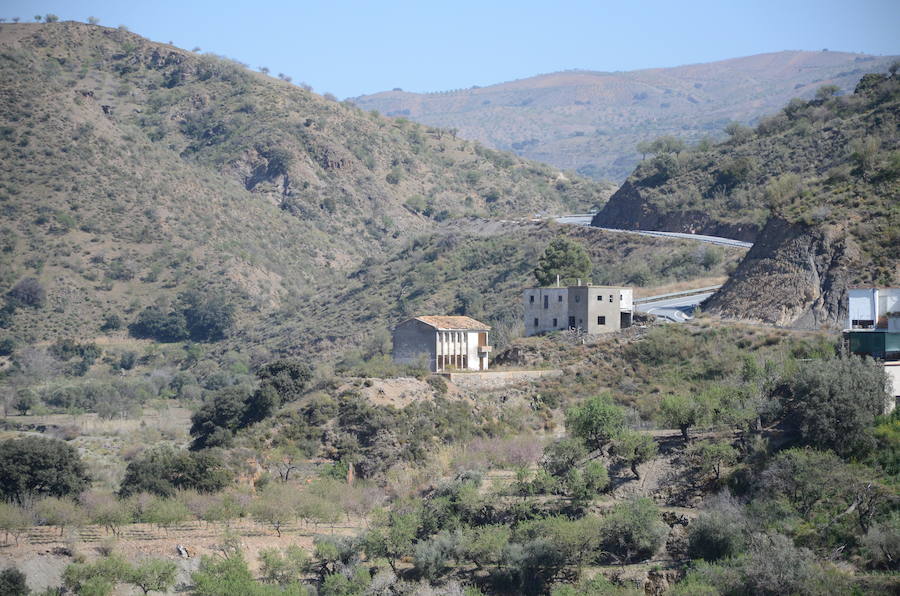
442 343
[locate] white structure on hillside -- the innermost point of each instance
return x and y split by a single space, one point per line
592 309
442 343
869 308
873 329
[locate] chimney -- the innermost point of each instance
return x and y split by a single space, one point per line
557 280
579 281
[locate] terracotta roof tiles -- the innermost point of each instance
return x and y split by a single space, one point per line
451 322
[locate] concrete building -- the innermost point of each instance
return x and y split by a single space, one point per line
593 309
873 329
442 343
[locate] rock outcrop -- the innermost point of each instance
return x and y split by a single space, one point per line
628 210
795 275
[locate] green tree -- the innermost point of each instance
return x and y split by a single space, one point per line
24 401
13 582
283 567
562 455
827 92
567 259
289 377
393 536
680 411
484 545
632 531
51 18
163 471
738 132
61 512
596 421
276 506
13 520
153 575
833 403
708 457
34 466
155 323
220 415
635 448
208 316
97 578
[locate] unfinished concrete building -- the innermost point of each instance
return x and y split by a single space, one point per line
592 309
442 343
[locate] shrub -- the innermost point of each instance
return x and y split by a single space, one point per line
719 531
28 292
283 567
633 531
111 322
7 346
834 402
154 323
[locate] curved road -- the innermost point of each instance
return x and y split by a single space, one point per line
672 308
584 219
677 310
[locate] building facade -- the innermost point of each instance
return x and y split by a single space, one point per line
442 343
592 309
873 329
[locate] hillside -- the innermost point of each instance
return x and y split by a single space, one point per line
136 171
592 121
815 185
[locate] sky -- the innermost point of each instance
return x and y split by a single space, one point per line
351 48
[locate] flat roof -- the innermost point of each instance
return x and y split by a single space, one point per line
581 286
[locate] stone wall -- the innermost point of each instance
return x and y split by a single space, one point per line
497 379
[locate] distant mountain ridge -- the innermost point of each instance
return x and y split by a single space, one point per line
135 171
592 121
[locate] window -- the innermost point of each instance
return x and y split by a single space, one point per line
532 299
554 322
601 320
610 297
546 301
599 298
535 322
559 298
577 298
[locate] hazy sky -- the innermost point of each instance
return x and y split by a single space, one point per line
353 48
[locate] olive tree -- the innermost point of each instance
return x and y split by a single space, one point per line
596 421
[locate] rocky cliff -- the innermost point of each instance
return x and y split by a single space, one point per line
795 275
627 209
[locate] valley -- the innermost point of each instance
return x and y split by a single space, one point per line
202 268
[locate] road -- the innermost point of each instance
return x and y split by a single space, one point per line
584 219
676 309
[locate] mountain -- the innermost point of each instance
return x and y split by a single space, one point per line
816 186
592 121
136 171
